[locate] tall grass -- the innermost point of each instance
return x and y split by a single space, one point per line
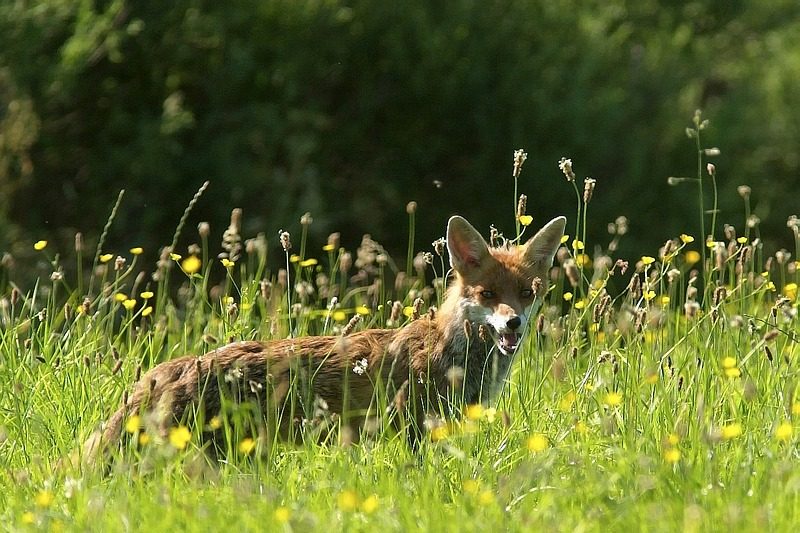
656 393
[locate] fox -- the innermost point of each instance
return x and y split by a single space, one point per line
439 363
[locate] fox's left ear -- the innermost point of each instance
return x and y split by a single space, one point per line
541 248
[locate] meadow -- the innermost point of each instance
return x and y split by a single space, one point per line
654 393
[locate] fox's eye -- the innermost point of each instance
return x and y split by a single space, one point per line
526 293
487 294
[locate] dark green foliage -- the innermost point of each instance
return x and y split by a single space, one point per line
351 109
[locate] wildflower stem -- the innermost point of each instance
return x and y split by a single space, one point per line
579 234
715 209
411 231
186 212
703 235
514 207
288 294
103 236
747 217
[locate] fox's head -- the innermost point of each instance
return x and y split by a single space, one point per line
496 284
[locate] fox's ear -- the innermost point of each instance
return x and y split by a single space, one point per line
465 245
542 247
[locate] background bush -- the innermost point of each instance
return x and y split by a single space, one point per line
351 109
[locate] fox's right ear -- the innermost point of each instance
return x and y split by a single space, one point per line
466 246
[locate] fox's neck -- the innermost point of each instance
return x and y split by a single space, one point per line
468 351
461 338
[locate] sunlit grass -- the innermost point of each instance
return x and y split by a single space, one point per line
656 392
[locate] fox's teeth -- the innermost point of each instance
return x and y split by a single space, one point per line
509 341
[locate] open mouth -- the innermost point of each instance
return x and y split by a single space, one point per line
508 342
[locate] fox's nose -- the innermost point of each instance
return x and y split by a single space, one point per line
513 323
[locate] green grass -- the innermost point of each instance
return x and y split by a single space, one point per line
666 408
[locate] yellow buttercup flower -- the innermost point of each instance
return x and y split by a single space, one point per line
362 310
129 304
538 443
613 399
105 258
339 315
784 432
39 245
733 372
790 291
138 250
731 431
191 264
564 238
120 297
577 244
729 362
648 260
328 248
692 257
246 446
525 220
567 401
439 433
486 497
44 499
474 411
282 515
347 500
133 424
686 239
567 296
175 257
28 518
227 263
672 455
146 295
308 262
179 437
370 505
147 311
471 486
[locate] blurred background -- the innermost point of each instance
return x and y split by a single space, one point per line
351 109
